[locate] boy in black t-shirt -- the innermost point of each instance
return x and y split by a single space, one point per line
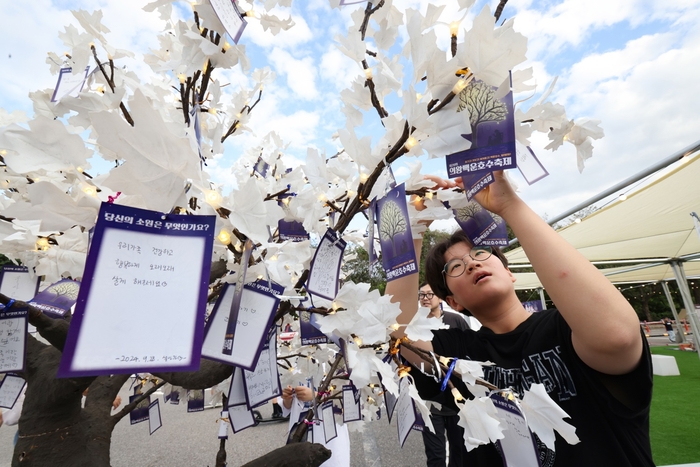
588 353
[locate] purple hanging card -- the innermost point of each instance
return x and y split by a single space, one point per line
69 84
492 132
56 299
154 421
529 165
310 334
261 167
325 267
263 383
405 411
236 392
236 302
175 397
145 271
230 18
257 310
474 183
13 339
518 446
352 411
15 282
10 388
480 226
241 417
329 429
140 412
398 255
371 216
195 400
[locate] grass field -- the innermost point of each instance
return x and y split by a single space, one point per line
675 411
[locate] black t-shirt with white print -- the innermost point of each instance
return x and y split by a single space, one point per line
539 350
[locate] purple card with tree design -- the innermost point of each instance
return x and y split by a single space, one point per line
147 274
56 299
395 238
492 131
195 400
140 412
481 226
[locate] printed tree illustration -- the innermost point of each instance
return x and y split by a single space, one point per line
69 290
480 101
467 212
392 222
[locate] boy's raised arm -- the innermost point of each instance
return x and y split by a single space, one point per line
605 328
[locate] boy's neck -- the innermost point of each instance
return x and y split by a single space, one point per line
504 318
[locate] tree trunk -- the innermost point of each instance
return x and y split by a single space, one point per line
293 455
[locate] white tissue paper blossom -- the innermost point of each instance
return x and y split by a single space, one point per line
543 416
421 326
364 363
478 418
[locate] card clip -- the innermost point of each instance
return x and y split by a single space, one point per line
447 375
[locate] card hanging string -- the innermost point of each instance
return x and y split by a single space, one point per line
437 371
447 375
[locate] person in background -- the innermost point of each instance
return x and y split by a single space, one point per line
444 419
669 330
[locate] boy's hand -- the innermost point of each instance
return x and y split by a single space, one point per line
498 196
303 393
287 394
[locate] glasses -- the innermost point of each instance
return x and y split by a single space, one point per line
427 296
456 267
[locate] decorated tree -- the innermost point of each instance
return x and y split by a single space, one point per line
158 133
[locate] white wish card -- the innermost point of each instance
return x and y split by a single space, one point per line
69 84
223 425
230 18
325 267
10 389
254 319
518 447
236 392
142 301
352 410
17 283
241 417
529 165
263 383
405 411
329 429
13 339
154 421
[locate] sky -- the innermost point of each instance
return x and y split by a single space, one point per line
633 64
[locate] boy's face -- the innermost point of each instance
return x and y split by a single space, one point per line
483 283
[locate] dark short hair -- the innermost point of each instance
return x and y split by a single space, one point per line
435 262
423 284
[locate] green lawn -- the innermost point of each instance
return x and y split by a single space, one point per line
675 411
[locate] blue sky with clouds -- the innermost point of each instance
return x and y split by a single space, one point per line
630 63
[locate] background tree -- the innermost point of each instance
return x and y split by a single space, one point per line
358 269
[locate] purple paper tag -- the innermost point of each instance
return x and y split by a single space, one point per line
195 400
175 397
474 183
480 226
396 240
310 334
140 412
261 167
492 132
56 299
15 282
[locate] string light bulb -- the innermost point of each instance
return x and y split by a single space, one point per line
368 73
42 244
461 84
410 143
454 28
224 237
213 198
90 190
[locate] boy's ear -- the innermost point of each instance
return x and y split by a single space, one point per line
453 304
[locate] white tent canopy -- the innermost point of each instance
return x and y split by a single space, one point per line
653 222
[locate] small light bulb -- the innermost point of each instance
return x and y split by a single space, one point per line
461 84
351 193
90 190
273 258
395 326
224 237
42 243
212 111
182 78
213 198
368 73
358 341
226 46
410 143
454 28
363 177
419 96
79 169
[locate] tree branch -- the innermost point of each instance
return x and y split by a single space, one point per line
132 405
53 330
110 82
210 374
499 9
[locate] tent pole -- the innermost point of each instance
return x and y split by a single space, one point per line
672 305
687 301
544 302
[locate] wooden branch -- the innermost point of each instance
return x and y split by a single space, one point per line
275 195
132 405
499 9
453 45
369 11
369 83
232 129
210 374
110 82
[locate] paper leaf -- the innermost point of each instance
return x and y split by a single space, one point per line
421 326
478 418
421 406
543 416
470 370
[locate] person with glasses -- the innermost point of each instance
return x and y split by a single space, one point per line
589 352
444 419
